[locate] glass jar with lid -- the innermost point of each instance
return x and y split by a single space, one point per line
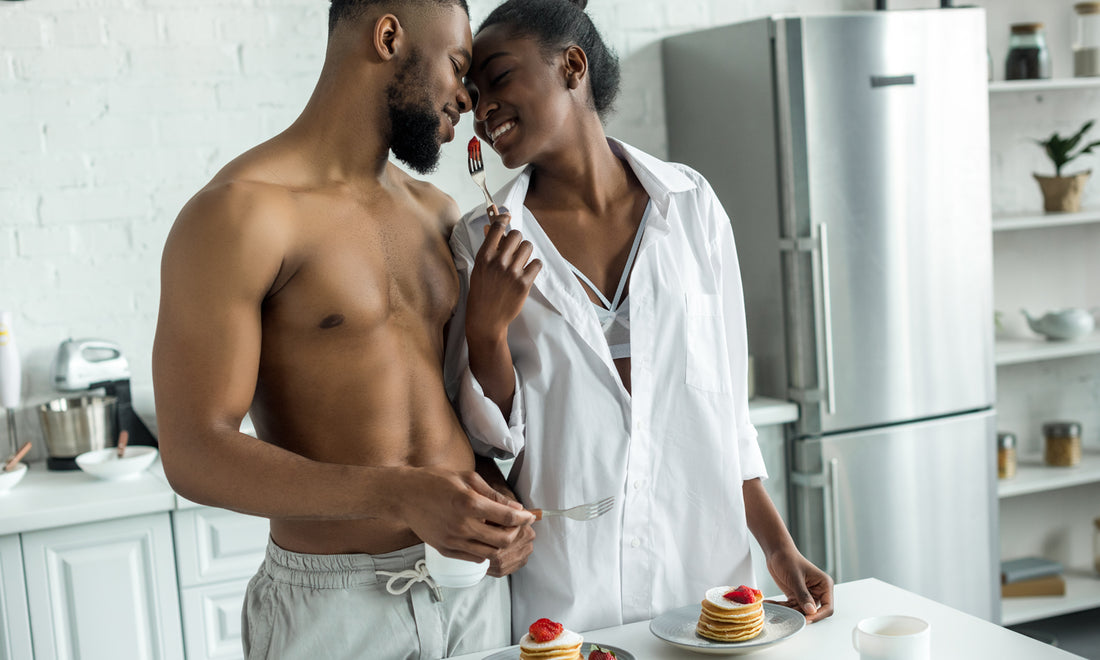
1086 40
1063 443
1028 58
1006 455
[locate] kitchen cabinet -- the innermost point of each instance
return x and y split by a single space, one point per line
1042 262
104 590
217 552
15 635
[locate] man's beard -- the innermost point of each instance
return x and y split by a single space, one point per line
414 123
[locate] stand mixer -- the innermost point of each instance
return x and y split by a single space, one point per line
89 364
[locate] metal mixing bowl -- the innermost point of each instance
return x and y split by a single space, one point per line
77 424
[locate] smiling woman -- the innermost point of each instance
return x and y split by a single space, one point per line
604 320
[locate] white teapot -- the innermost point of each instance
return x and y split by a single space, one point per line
1062 324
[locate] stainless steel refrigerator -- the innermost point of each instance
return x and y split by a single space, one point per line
851 153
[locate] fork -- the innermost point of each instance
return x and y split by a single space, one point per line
477 173
579 512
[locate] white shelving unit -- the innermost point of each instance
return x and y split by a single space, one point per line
1044 220
1082 593
1082 583
1032 476
1019 351
1049 85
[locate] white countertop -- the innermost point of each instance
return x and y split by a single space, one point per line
45 498
955 635
765 412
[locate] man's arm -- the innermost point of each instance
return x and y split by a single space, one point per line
219 263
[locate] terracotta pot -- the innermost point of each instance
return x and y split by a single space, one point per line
1062 193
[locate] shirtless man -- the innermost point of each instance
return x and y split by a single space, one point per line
309 283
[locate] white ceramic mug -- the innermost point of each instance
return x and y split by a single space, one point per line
453 573
893 638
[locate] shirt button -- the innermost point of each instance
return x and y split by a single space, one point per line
635 542
638 426
639 484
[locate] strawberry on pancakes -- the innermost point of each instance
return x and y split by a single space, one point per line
731 615
549 640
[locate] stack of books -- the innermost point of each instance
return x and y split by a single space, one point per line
1031 576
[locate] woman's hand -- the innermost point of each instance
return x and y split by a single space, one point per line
808 588
499 283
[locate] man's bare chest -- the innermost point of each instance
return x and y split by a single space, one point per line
360 280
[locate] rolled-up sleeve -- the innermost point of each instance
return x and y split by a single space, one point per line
733 304
489 432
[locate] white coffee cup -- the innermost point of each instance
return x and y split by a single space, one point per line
893 638
453 573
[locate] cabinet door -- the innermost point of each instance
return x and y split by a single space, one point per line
212 620
15 635
213 545
104 590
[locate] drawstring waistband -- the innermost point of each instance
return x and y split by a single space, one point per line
418 573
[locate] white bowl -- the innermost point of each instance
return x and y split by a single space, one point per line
105 463
9 479
453 573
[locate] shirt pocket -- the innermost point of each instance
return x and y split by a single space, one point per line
708 365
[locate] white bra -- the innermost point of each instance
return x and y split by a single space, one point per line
614 315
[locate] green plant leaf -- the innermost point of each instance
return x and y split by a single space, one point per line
1060 149
1087 149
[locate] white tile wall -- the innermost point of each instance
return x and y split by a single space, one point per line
115 111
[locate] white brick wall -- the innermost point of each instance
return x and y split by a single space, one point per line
115 111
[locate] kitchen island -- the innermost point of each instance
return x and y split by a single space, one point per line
955 635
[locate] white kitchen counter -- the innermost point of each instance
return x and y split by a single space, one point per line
766 412
955 635
45 498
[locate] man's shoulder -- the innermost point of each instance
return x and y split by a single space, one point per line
433 200
247 219
237 204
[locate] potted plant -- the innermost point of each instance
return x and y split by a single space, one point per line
1063 193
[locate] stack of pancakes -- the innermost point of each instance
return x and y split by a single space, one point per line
566 646
725 620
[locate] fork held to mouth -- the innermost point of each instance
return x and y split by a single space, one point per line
477 173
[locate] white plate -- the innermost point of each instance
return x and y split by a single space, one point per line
105 463
678 629
512 653
9 479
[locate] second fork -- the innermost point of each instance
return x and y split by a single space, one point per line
580 512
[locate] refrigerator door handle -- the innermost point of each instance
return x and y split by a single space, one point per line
825 324
832 526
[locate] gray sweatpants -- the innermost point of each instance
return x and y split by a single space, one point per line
330 607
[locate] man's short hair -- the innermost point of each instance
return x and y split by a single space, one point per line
342 10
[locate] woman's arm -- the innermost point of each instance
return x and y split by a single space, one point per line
807 587
495 426
499 284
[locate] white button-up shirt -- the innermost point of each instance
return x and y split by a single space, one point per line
674 451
